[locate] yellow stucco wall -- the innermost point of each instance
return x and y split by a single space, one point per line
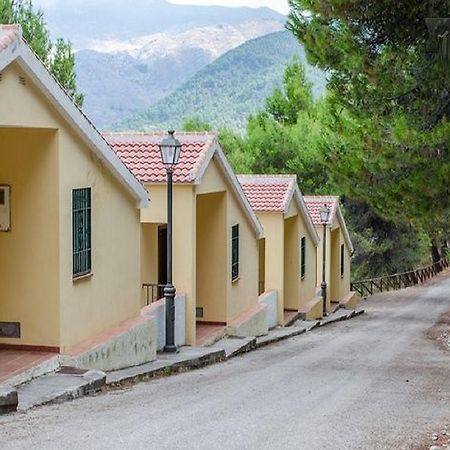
338 287
242 295
202 219
273 224
112 294
283 235
211 271
184 241
149 256
320 260
29 256
307 285
262 265
291 263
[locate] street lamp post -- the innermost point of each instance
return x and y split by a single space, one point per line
324 217
170 149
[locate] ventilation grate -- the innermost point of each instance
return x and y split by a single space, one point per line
10 329
22 81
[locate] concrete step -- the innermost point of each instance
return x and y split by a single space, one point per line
59 386
8 399
340 314
234 346
279 334
290 317
188 358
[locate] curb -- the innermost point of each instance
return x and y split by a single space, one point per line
267 340
248 347
169 369
8 400
337 319
93 382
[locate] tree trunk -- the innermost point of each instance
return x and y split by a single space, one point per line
435 254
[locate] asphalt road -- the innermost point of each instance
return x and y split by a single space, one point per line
379 381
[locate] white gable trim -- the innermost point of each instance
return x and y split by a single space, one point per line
344 229
297 195
19 51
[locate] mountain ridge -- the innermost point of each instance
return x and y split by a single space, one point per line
230 88
118 83
82 22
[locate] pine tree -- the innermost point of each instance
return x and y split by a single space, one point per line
58 57
390 104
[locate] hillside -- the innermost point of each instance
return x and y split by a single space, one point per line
122 77
229 89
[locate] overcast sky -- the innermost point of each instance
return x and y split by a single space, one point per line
278 5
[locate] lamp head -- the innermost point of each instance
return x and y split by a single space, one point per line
170 148
325 214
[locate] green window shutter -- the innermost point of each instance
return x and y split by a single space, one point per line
81 231
342 260
303 257
235 252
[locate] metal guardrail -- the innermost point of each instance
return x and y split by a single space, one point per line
153 292
399 280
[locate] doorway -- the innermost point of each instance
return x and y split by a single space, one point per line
162 259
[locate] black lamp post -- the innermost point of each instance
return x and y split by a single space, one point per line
170 148
324 217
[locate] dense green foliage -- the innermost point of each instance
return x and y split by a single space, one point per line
58 56
285 137
230 88
389 105
293 134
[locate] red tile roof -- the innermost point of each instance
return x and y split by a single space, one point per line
268 193
140 153
315 203
8 35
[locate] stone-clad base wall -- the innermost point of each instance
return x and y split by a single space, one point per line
252 323
270 300
132 344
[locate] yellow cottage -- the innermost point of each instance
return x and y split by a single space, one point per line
339 250
288 251
69 268
215 235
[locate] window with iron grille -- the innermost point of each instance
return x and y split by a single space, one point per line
81 231
303 257
342 260
235 252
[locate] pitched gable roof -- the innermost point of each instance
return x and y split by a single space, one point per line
13 48
315 203
268 193
140 152
274 193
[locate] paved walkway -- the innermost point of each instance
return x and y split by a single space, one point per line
379 381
